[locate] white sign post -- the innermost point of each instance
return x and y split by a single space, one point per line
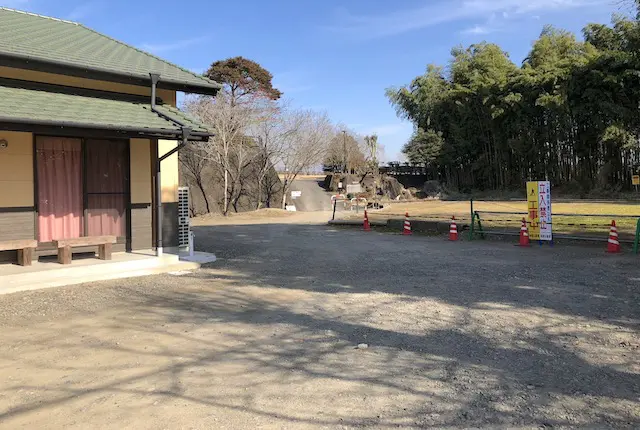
539 210
354 188
544 209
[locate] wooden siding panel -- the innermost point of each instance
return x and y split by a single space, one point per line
17 225
141 227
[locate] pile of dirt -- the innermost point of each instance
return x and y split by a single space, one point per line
212 181
332 182
432 189
392 189
262 213
384 187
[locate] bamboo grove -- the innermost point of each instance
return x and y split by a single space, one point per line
568 114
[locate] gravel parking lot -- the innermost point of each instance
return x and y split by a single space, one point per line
465 334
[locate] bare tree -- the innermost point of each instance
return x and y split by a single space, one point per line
345 152
374 152
244 154
228 146
371 143
270 131
194 162
308 136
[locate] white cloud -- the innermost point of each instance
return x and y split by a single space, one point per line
174 45
442 11
479 29
85 10
494 24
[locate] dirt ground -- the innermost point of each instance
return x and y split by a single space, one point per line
263 216
459 335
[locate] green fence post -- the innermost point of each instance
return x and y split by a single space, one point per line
335 203
637 240
480 226
473 222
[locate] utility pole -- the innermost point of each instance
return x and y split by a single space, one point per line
344 151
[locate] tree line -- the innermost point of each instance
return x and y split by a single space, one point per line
255 132
260 143
351 153
568 114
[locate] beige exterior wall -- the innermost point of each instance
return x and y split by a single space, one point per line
141 181
169 173
17 177
16 161
167 96
16 170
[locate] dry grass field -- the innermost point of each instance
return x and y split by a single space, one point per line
512 212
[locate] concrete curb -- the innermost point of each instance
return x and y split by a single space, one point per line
103 272
357 223
417 226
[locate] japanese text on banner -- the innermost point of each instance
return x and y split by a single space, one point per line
532 210
544 210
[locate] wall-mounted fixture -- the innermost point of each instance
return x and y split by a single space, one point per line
3 143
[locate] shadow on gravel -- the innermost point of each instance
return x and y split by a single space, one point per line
573 281
470 381
456 376
568 281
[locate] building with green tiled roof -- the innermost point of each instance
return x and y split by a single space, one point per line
87 123
38 42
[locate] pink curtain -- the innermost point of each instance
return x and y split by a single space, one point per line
106 187
59 168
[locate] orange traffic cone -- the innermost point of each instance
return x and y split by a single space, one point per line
406 230
367 226
453 229
614 244
524 234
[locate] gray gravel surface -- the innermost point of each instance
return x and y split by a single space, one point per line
458 335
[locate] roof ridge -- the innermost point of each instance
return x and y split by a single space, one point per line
138 64
144 52
40 16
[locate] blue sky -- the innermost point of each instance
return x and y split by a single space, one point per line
332 55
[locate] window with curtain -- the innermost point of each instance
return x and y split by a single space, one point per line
59 171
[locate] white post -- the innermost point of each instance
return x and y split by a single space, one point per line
191 244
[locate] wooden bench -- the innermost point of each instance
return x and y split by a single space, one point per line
25 248
104 244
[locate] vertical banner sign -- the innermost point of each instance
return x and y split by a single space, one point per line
532 209
539 210
544 210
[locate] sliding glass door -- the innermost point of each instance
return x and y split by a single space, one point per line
106 187
82 188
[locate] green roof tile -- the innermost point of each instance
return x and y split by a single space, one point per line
25 35
35 106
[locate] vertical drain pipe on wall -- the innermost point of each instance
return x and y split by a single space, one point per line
154 82
185 138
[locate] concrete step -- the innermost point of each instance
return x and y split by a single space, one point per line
32 279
